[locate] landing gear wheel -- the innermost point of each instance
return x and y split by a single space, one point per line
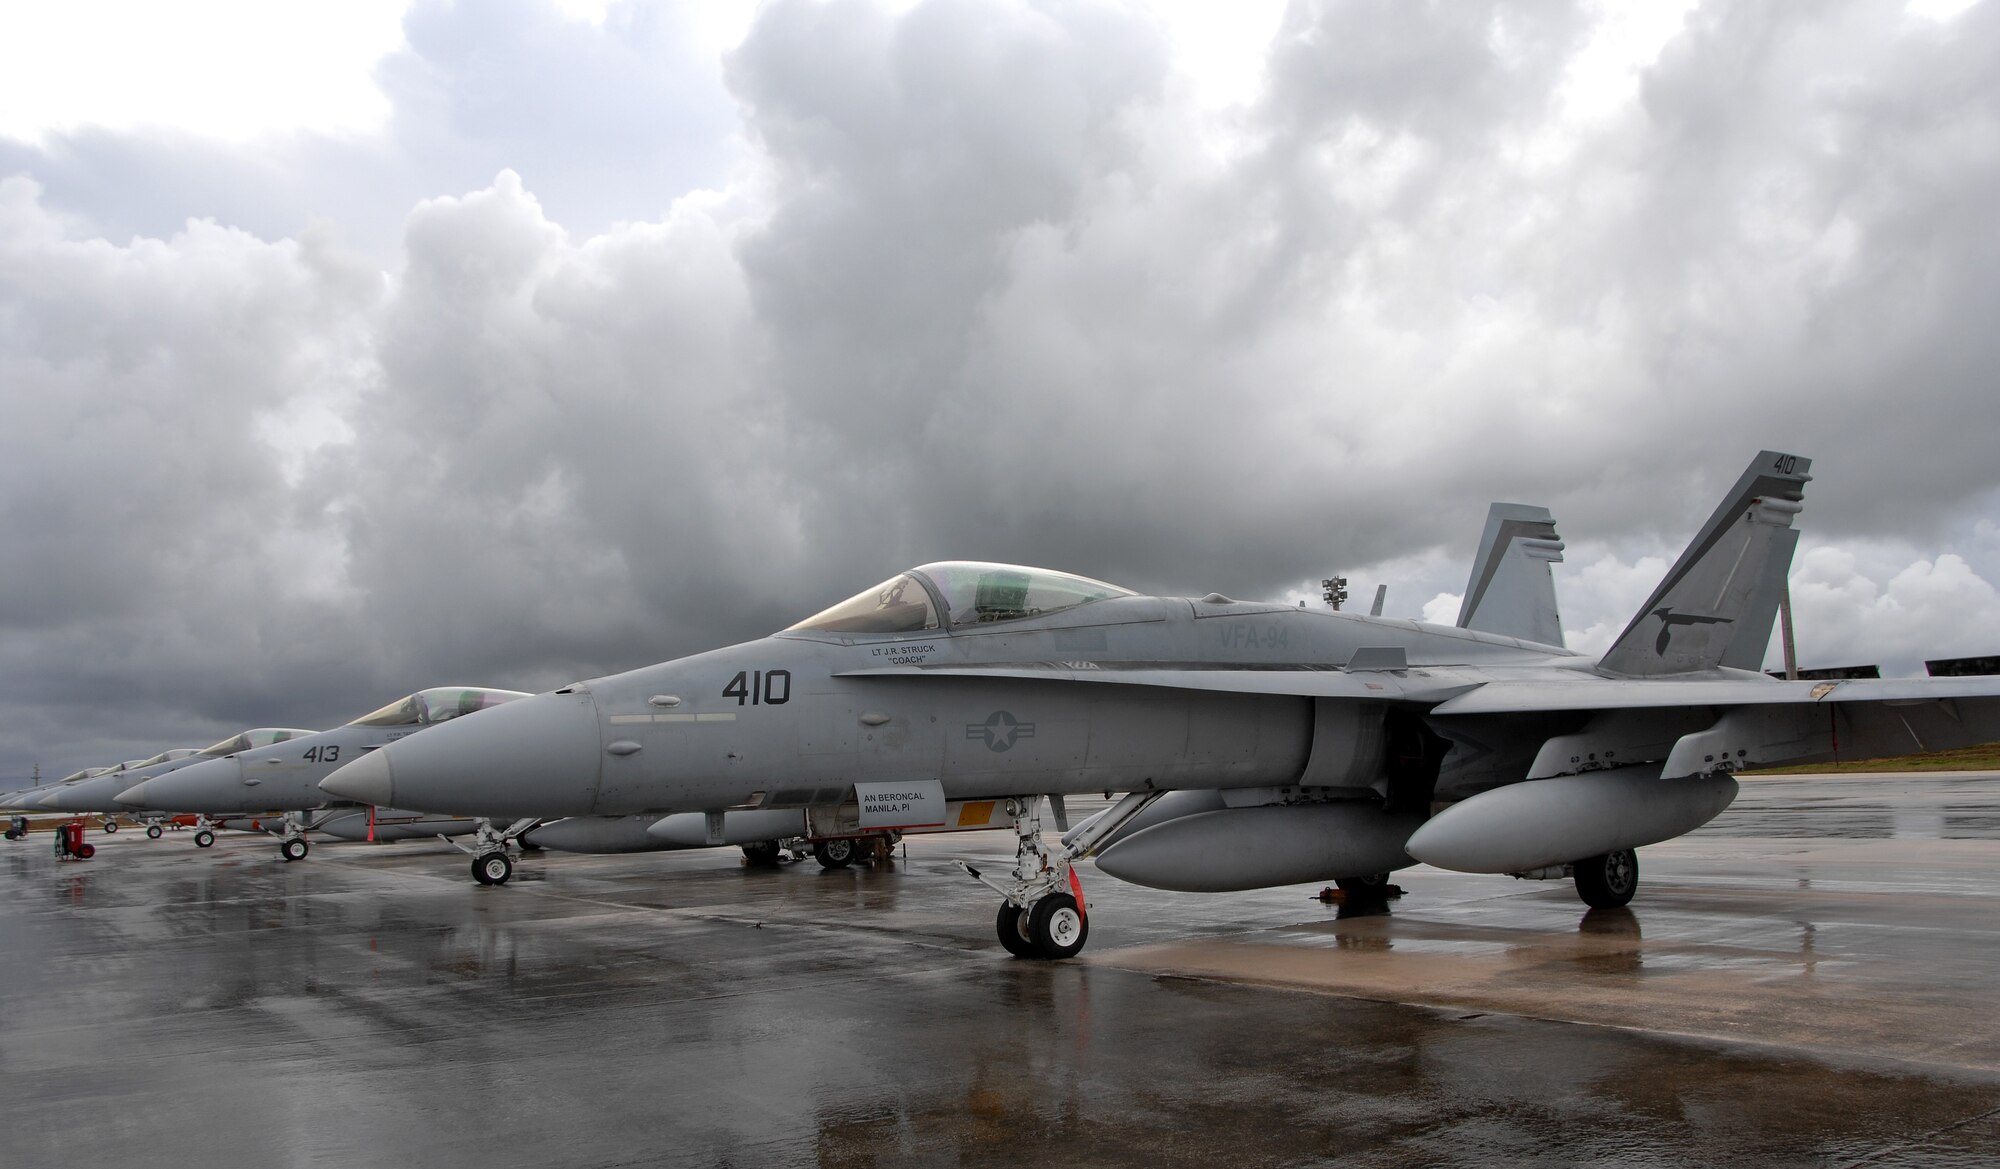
1373 887
1607 881
1057 926
493 868
153 831
1010 925
110 825
293 849
762 853
204 838
834 854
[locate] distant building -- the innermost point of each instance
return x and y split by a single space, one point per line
1962 667
1839 673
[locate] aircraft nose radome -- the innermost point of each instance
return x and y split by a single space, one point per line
536 756
57 801
134 796
215 783
367 780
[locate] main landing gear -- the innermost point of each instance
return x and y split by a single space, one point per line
837 853
490 863
1607 881
1043 914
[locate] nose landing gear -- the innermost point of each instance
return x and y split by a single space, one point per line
490 863
1043 915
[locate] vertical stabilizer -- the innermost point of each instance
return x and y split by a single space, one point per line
1512 590
1752 639
1694 617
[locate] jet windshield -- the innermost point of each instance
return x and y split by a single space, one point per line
974 594
897 605
250 740
979 594
436 705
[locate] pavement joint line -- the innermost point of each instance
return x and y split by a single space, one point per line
1920 1139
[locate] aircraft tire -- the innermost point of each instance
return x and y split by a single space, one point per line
153 831
834 854
110 825
1609 880
763 853
492 868
1057 926
294 849
1012 937
204 838
1373 887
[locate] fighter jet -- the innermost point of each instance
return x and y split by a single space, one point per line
99 793
284 776
1351 745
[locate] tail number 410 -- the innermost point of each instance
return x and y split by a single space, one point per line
760 687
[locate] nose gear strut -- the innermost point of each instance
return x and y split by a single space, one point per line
1043 914
490 863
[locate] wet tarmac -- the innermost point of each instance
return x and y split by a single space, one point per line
1811 980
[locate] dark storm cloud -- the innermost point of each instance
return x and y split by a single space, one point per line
986 283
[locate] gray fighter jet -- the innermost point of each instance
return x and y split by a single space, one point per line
1353 744
99 793
103 793
284 776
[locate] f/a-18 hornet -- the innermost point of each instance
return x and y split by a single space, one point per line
1347 745
283 775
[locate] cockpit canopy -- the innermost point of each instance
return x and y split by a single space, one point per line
167 756
251 740
436 705
972 593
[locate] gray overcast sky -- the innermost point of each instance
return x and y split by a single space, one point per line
525 343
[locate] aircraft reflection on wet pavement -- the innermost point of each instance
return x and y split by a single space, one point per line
1343 746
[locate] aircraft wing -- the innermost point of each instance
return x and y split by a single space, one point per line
1592 693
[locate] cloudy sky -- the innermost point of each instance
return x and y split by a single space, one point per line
350 352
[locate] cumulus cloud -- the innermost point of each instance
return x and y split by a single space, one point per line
606 349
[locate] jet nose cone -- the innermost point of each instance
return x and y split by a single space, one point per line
536 756
134 796
367 780
60 800
212 786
